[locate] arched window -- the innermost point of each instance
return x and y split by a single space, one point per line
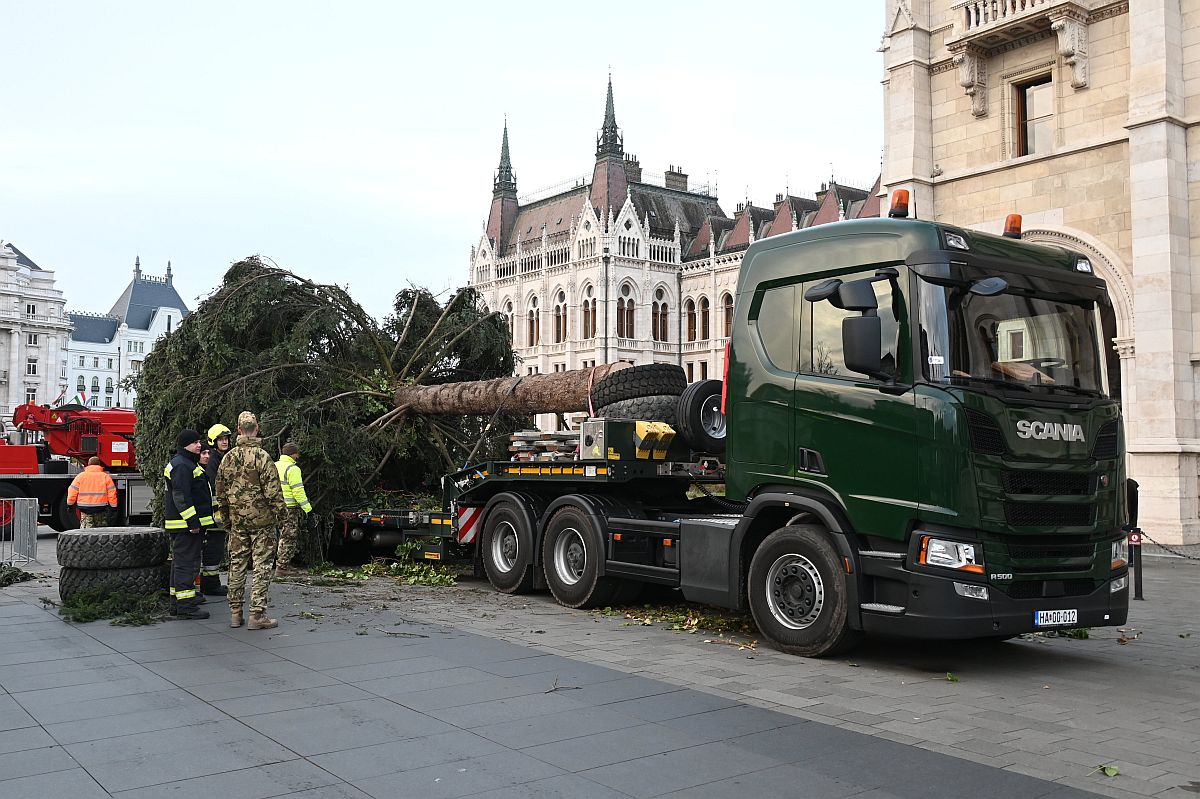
704 318
81 385
95 385
690 309
508 318
625 309
727 303
560 318
108 386
658 317
533 324
630 331
620 317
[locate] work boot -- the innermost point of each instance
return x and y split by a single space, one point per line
287 570
211 586
235 616
259 621
191 613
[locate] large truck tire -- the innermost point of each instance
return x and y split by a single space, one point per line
506 549
64 516
701 422
139 581
571 559
639 381
797 592
113 548
656 408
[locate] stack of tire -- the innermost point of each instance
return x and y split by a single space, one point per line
659 392
129 560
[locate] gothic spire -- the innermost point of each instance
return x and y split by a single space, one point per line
609 141
506 182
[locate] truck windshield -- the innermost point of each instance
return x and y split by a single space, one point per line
1038 335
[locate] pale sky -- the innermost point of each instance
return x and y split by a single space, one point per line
356 142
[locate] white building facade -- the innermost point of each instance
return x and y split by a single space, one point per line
33 333
106 349
627 266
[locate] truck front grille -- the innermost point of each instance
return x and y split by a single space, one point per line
1106 441
1056 551
1047 514
1061 484
1038 589
986 437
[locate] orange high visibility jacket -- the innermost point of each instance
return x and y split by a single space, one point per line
92 490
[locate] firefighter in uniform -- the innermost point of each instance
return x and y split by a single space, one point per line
213 554
298 507
187 510
93 493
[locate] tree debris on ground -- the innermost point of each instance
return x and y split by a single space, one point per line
11 574
93 604
320 371
685 617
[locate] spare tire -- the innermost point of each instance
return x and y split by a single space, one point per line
701 422
113 547
658 408
139 582
648 380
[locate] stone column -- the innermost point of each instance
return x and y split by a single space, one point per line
907 113
16 374
1162 435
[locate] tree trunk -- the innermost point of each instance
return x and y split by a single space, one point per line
558 392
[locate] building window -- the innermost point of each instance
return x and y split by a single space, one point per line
1035 116
32 339
31 309
95 363
31 367
135 366
110 363
63 370
80 361
1016 344
92 402
704 318
727 304
704 370
691 377
95 385
533 324
108 402
625 312
689 309
108 386
560 318
81 384
658 317
31 396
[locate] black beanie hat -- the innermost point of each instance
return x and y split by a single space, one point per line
186 436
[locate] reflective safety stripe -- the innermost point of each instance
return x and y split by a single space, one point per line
187 513
172 590
189 593
167 472
92 493
209 573
198 471
206 521
175 524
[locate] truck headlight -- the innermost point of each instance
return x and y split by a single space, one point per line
1118 584
950 555
1120 553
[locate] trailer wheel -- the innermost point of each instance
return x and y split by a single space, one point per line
507 549
657 408
571 560
632 382
701 422
797 593
139 581
7 511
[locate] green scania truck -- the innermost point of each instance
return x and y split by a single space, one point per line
919 443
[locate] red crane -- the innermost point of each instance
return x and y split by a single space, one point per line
80 433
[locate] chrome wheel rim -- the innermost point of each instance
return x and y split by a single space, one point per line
711 418
570 556
505 547
795 591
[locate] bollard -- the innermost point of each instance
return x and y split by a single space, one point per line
1135 537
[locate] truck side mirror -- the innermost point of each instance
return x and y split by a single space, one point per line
862 346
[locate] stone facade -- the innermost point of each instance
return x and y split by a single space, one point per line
627 266
1081 115
34 328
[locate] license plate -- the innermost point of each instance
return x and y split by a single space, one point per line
1054 618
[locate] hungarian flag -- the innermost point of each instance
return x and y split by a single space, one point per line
61 396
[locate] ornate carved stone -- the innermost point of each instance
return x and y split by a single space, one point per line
1124 347
1072 30
972 76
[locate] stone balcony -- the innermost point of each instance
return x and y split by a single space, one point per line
983 27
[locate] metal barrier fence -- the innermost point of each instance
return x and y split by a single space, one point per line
18 530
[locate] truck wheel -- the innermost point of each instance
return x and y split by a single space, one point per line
113 548
701 423
639 381
657 408
7 511
571 560
139 581
64 516
507 549
797 593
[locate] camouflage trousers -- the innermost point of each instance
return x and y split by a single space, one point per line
92 521
289 533
245 545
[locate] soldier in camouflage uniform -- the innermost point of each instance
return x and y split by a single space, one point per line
251 499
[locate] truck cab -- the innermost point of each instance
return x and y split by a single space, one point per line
920 428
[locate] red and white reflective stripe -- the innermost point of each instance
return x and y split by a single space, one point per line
467 518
